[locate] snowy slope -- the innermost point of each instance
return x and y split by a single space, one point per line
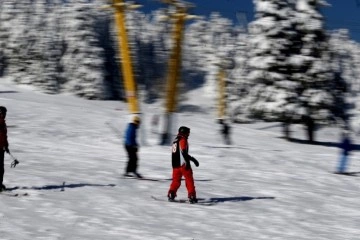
263 187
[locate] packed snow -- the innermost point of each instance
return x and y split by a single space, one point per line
261 187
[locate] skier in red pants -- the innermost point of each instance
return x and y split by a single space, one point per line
181 165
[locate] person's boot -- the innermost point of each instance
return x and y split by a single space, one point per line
138 175
171 196
193 199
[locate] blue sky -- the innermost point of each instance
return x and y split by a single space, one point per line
341 13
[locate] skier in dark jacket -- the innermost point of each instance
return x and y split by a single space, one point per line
132 147
181 165
346 147
4 145
225 131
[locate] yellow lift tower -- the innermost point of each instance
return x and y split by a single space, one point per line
120 7
224 65
174 66
222 94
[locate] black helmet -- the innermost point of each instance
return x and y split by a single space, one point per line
184 130
3 110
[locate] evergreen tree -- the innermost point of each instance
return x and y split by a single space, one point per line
342 65
208 49
83 62
222 43
290 64
283 67
14 40
107 36
241 85
272 91
346 65
146 34
47 48
313 69
196 49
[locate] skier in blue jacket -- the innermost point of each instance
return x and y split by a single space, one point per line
131 147
346 147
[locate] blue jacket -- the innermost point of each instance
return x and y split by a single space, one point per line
346 146
130 135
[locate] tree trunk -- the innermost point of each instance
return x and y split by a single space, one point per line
310 129
286 130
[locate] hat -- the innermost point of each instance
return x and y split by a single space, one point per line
3 110
136 119
184 130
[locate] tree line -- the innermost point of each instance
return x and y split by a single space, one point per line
283 67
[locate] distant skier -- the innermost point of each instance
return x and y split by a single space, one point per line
155 123
181 165
132 147
225 131
346 147
4 145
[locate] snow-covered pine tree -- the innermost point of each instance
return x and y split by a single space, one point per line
355 90
209 47
83 59
313 75
222 43
47 48
197 47
7 17
149 35
272 93
107 35
14 27
3 35
2 62
342 65
346 65
238 103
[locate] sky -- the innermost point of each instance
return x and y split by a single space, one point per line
260 187
341 13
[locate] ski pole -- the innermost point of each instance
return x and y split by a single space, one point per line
14 162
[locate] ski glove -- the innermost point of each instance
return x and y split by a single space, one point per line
196 162
7 150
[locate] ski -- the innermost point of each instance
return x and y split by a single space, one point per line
201 201
11 194
352 174
144 178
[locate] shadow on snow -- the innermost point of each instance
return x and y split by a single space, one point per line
61 187
356 147
354 174
8 92
233 199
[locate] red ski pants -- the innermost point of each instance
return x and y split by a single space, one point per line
189 180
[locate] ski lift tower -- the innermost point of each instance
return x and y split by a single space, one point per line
178 18
120 7
224 65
